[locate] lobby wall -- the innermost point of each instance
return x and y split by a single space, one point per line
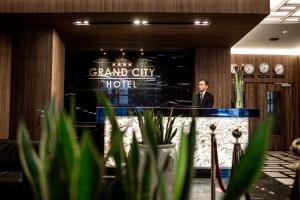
257 86
37 76
5 73
213 64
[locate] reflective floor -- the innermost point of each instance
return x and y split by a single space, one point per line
275 182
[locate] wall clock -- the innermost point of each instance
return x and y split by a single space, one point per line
279 69
249 68
264 68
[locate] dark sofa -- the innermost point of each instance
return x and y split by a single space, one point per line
13 182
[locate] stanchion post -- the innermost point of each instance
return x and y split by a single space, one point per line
296 150
236 148
213 166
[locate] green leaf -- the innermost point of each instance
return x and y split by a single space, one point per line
29 159
67 137
133 165
248 169
146 179
87 172
185 164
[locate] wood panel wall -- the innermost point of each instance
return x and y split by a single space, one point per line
203 6
38 56
213 64
5 73
255 93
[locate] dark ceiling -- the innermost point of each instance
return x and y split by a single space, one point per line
166 31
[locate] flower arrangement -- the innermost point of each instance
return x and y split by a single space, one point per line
239 84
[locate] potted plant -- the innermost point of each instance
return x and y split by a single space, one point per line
68 169
159 131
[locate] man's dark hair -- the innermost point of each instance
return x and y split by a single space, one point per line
205 81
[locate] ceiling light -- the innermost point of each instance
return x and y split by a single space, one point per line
144 22
275 3
86 22
205 22
141 22
296 13
265 51
81 23
77 22
202 22
291 19
288 8
279 13
197 22
293 2
285 32
137 22
272 19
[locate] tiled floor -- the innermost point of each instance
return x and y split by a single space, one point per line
278 166
274 184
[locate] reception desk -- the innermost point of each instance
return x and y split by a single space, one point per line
226 120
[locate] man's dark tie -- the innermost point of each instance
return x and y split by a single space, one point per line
201 96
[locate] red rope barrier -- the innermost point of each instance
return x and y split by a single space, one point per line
219 178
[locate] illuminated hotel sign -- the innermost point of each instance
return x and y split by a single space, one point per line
122 74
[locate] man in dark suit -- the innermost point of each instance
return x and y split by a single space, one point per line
204 99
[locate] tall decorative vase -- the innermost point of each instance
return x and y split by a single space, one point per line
239 84
239 92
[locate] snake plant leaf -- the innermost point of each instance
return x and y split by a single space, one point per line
29 159
133 165
67 137
63 153
248 169
150 132
86 176
184 169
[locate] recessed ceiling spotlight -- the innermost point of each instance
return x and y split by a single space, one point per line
123 53
144 22
137 22
197 22
285 32
101 49
81 23
77 22
142 53
121 49
141 49
141 22
204 22
104 53
86 22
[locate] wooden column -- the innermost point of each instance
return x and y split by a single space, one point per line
213 64
37 76
5 73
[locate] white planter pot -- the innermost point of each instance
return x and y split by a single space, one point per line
164 151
